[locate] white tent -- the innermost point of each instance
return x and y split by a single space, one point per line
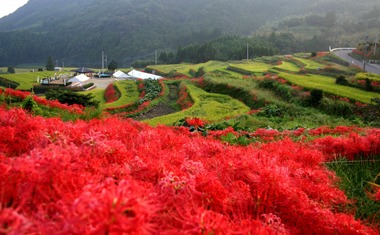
79 78
120 74
142 75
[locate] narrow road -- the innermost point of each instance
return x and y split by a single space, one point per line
372 68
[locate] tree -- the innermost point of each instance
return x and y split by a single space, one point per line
341 80
11 69
71 97
50 64
112 66
368 85
316 96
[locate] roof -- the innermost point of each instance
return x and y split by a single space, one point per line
79 78
82 70
120 74
138 74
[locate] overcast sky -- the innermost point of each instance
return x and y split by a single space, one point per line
9 6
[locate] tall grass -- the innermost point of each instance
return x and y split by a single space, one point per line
355 177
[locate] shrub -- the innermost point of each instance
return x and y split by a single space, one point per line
316 96
371 112
368 85
336 107
71 97
270 111
86 86
341 80
11 69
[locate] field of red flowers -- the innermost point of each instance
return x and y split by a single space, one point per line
113 176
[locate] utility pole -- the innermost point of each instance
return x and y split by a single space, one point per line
374 50
106 61
102 61
155 56
247 51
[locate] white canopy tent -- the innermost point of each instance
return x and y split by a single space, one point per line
120 74
79 78
142 75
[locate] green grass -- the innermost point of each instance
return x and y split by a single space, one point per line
327 84
354 181
129 93
127 88
252 66
207 106
98 95
27 80
288 66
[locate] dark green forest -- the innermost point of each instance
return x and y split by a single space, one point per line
75 32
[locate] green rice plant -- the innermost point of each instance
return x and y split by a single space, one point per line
207 106
184 68
310 64
371 76
288 66
327 84
252 66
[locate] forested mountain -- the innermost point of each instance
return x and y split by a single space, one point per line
77 31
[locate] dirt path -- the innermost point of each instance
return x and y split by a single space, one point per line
164 107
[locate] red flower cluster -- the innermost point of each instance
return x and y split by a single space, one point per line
78 109
195 122
184 99
123 177
111 93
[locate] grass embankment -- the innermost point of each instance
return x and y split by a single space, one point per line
328 85
207 106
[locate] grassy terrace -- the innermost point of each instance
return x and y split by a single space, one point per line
371 76
252 66
310 64
288 66
207 106
129 93
184 68
327 84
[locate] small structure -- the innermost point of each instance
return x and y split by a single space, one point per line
79 78
83 70
120 74
138 74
